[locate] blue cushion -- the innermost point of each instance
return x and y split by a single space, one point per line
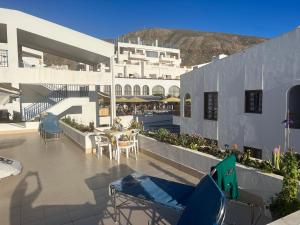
167 193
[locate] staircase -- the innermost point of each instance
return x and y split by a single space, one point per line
58 92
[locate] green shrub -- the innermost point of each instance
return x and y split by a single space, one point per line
79 126
286 201
134 124
198 143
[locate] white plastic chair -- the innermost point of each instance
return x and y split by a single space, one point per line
128 147
101 142
135 140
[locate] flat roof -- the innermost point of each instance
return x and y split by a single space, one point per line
42 35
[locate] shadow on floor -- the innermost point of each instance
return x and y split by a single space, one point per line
4 144
88 213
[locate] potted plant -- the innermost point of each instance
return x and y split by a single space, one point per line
117 125
123 140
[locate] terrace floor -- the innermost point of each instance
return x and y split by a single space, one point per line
59 184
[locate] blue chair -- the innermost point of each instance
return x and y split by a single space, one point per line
203 204
49 127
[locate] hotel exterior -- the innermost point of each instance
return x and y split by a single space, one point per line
247 98
142 69
123 69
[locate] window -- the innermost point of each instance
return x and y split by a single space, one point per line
120 75
3 33
152 54
293 108
187 105
145 90
107 89
211 105
83 91
254 152
118 90
127 90
136 90
3 58
253 101
174 91
158 90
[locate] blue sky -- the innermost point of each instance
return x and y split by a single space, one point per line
111 18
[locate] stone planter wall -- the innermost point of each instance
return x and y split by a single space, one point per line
83 140
251 180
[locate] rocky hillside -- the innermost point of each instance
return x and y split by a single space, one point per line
196 47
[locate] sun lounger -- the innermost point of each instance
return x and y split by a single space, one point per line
201 204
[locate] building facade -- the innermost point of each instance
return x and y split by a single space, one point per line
245 98
23 40
142 69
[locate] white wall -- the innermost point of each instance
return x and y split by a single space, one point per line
85 115
19 20
23 127
147 69
53 76
274 67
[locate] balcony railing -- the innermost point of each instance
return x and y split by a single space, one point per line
58 92
149 78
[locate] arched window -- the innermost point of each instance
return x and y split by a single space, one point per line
187 105
127 90
145 90
118 90
136 90
158 90
107 89
174 91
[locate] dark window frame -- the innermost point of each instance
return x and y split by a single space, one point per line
3 58
254 152
187 110
253 101
211 111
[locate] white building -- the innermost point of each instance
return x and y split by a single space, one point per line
142 69
23 39
243 99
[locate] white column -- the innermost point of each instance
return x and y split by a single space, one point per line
112 93
13 59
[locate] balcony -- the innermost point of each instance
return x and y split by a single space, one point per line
169 59
136 55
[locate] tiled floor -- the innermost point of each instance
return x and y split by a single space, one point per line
59 184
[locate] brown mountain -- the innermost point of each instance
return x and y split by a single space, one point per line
196 46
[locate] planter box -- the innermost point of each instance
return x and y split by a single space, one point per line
83 140
251 180
292 219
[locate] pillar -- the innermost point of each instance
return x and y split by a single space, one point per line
112 92
12 42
